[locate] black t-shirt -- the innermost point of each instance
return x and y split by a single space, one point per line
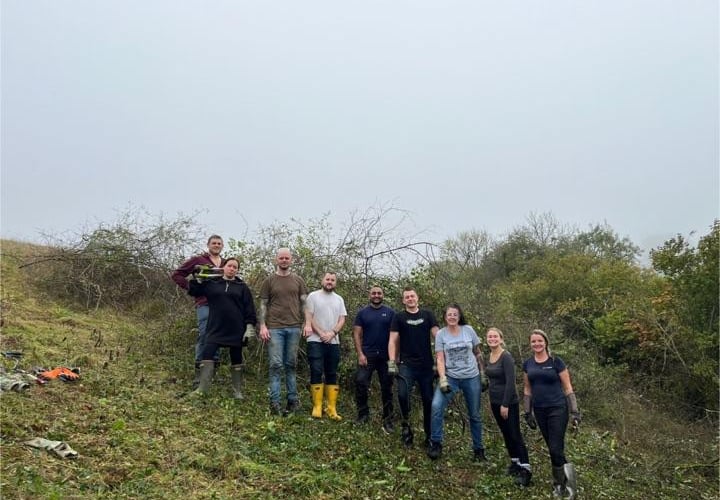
415 331
545 381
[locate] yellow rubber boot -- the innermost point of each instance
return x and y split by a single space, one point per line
316 391
331 394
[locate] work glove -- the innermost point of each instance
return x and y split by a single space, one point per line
444 386
484 382
529 417
575 416
530 420
250 334
65 374
392 367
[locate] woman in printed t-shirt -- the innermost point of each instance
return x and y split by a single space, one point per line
459 360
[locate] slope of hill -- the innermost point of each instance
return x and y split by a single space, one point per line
138 434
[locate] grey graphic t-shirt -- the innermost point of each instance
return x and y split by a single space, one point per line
460 361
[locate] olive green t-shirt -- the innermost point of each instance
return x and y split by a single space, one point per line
283 293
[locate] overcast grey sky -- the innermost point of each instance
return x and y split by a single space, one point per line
469 114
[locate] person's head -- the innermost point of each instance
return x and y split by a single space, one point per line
454 315
215 245
230 268
539 342
410 299
376 295
494 337
283 259
329 281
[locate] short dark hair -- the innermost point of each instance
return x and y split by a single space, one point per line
214 237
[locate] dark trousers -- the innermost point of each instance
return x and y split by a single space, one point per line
407 378
210 351
323 359
363 376
510 429
553 422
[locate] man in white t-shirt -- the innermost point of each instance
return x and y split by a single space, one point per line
324 318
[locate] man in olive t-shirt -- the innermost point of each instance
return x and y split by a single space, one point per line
282 302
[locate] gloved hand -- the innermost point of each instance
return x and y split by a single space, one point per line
575 416
444 386
250 334
530 421
484 382
392 367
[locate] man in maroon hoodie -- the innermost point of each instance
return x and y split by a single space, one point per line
180 275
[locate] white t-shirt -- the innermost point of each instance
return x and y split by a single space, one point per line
326 308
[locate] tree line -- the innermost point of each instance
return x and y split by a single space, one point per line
656 325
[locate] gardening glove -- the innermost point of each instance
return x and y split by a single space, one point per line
61 372
392 367
484 382
444 386
250 333
529 417
530 421
575 416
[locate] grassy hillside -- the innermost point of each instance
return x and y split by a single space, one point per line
139 436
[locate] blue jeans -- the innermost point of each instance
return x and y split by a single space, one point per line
282 353
553 422
323 358
471 389
405 381
202 313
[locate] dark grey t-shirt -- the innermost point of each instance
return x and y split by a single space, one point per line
501 375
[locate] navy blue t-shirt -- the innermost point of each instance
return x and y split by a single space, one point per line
375 324
545 381
415 331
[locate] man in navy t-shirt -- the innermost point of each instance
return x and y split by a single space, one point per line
371 333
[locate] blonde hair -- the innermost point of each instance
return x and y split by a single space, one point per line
537 331
499 332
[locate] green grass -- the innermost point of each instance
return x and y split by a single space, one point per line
139 436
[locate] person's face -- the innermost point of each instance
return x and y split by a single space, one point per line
452 316
215 246
410 299
493 338
537 343
284 260
328 282
230 269
376 296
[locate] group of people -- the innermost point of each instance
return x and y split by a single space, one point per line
397 345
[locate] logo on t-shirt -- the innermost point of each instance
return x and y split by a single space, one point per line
415 322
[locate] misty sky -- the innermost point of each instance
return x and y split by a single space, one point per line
468 114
